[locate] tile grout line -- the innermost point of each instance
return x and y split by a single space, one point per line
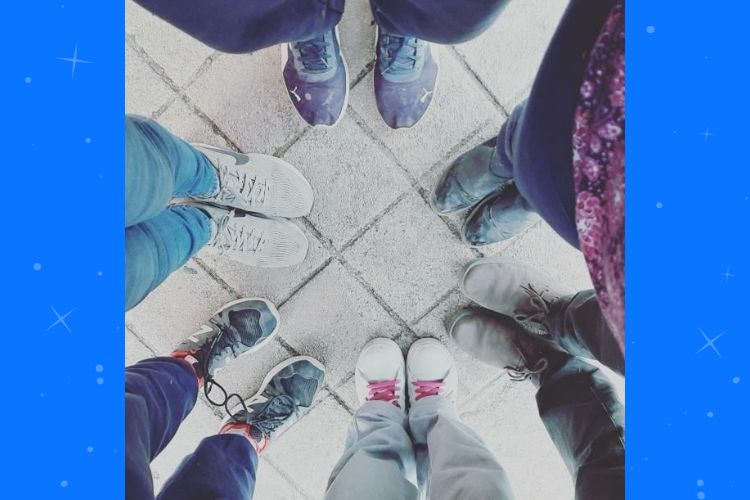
288 479
485 89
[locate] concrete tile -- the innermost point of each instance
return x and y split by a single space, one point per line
275 285
505 416
343 166
472 374
357 35
245 96
174 311
518 41
179 54
543 249
271 485
144 91
308 451
135 350
331 318
409 257
182 122
199 424
458 108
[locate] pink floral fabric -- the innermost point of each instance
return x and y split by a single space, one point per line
599 169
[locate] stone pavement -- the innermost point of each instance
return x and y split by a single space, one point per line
380 262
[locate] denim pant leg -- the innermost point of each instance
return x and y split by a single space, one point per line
585 420
452 459
159 167
439 21
157 247
378 461
223 466
578 325
243 26
159 394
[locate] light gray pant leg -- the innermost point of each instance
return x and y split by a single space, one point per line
453 460
378 461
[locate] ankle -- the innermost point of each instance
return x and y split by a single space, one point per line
244 430
190 361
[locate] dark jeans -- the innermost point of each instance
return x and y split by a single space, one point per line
535 145
241 26
159 394
577 403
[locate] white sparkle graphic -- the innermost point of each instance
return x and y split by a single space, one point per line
60 319
710 342
706 134
74 60
727 275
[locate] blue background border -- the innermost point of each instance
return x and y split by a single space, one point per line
687 248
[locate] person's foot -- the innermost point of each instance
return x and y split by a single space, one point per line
405 78
258 183
502 215
255 240
316 78
287 390
238 328
380 373
430 371
500 342
467 180
512 289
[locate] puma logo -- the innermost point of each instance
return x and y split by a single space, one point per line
427 93
295 94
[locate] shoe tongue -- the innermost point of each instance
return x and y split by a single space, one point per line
246 323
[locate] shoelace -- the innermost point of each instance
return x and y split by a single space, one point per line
313 53
520 374
230 238
399 53
424 388
541 309
245 184
384 390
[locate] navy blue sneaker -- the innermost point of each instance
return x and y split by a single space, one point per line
286 392
316 78
405 78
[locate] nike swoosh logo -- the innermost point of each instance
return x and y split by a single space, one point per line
239 158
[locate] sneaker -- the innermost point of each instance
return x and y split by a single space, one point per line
430 371
238 328
380 375
287 390
258 183
406 73
255 240
316 78
501 216
500 342
512 289
467 180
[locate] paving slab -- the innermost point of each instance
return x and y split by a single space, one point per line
410 257
357 35
506 57
244 95
181 121
331 318
271 485
459 106
178 53
145 92
352 178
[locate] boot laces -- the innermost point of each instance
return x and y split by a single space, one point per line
541 307
517 374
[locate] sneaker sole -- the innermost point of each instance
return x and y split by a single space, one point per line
285 58
271 374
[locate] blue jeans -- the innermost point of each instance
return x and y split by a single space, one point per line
159 394
242 26
159 239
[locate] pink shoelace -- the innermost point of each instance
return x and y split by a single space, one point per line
384 390
424 388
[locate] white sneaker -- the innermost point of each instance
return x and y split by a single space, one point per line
430 371
379 375
255 240
258 183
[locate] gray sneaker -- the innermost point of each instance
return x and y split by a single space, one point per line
255 240
288 389
512 289
258 183
501 216
468 180
499 341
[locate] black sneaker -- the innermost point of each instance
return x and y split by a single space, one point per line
288 388
238 328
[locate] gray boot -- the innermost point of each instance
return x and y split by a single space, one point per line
498 217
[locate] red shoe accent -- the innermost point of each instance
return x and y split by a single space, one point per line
190 360
244 430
